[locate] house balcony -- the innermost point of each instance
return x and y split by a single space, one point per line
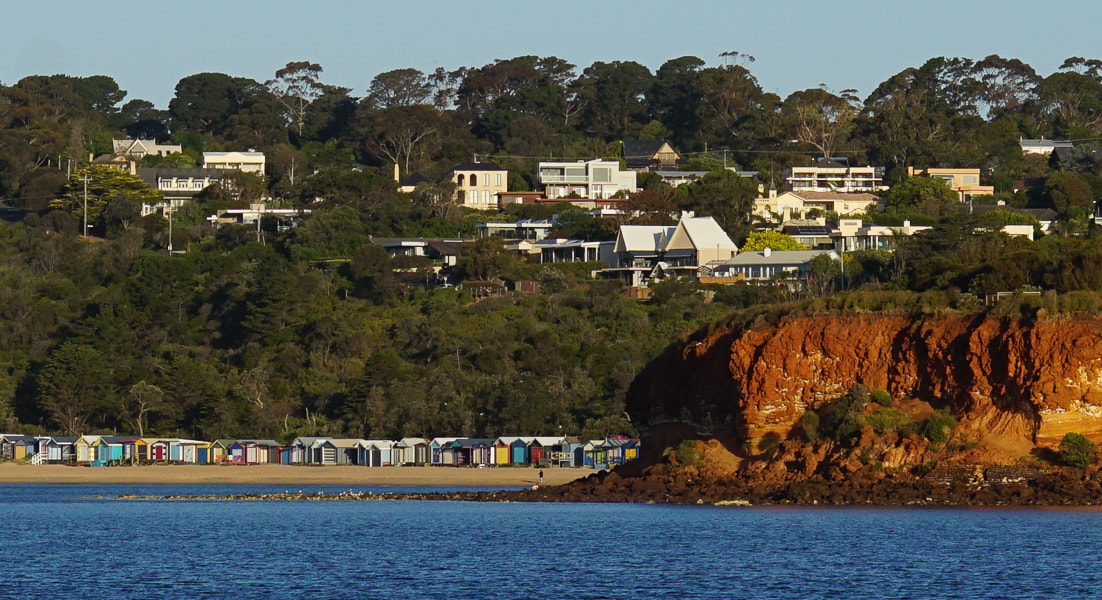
546 178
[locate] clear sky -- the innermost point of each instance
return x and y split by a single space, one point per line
149 45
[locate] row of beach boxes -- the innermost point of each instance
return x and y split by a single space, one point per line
106 450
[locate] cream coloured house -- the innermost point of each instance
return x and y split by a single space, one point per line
780 208
248 162
479 185
965 182
143 148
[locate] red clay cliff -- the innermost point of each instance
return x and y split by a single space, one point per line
1012 384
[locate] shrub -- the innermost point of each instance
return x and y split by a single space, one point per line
938 428
687 454
881 397
810 425
1076 450
886 420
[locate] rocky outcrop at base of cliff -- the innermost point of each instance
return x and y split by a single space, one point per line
1026 383
856 472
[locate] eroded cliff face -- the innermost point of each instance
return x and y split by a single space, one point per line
1007 379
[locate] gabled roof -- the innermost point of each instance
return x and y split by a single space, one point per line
701 232
548 441
643 238
642 148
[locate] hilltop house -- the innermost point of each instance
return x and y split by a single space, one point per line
647 155
765 265
774 207
965 182
835 175
594 179
1042 146
523 229
645 252
143 148
177 185
247 162
479 185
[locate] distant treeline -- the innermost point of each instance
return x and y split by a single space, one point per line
948 112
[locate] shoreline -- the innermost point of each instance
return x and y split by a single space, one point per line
287 475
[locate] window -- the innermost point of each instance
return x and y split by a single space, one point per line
459 180
485 196
474 180
971 179
497 180
601 175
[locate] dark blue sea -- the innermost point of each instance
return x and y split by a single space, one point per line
59 546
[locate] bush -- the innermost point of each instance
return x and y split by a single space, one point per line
938 428
686 454
810 425
886 420
1076 450
882 397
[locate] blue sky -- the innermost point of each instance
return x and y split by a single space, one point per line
148 45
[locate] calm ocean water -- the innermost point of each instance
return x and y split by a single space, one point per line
58 546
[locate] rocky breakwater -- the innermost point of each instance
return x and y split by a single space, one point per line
1012 384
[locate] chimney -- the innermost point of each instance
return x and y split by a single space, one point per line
767 252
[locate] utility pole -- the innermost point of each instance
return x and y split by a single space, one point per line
170 227
85 230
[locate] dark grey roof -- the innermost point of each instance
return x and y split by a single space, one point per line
641 148
477 166
639 154
837 162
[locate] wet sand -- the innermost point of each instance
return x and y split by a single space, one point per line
284 474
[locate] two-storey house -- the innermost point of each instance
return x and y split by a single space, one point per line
835 175
479 184
965 182
594 179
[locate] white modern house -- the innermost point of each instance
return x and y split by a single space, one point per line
1042 146
594 179
835 175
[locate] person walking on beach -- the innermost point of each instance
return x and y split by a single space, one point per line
541 476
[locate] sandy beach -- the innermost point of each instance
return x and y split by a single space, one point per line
283 474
